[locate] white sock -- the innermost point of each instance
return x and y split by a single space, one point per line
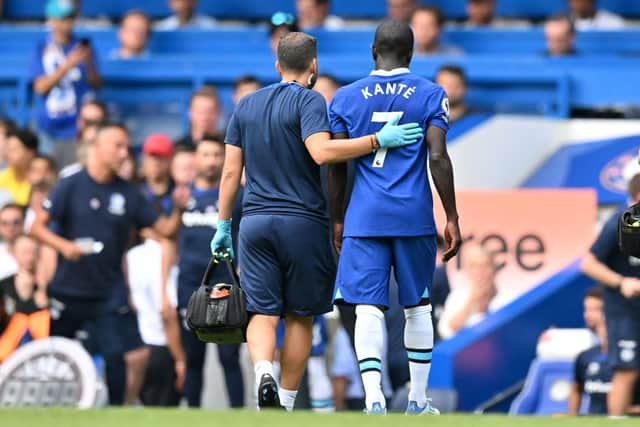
418 340
369 340
287 398
260 368
320 390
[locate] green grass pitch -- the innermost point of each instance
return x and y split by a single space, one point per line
202 418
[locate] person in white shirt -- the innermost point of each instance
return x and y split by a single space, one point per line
469 303
11 226
185 17
586 16
165 372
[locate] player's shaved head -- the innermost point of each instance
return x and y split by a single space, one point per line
393 42
296 51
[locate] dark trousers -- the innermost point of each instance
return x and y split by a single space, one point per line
159 381
71 315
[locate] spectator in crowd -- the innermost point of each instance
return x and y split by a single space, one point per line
281 24
157 152
42 170
92 112
129 168
327 85
454 82
63 70
25 296
85 137
401 10
11 225
6 127
94 211
314 14
470 302
182 166
204 115
427 22
244 86
586 16
163 377
620 276
22 147
592 372
198 226
185 17
480 13
560 35
133 35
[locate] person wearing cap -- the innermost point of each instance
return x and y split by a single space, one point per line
22 147
63 72
157 152
281 24
185 17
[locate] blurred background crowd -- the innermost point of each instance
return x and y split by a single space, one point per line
172 74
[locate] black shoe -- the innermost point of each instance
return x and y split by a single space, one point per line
268 393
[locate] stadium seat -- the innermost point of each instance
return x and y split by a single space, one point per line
546 388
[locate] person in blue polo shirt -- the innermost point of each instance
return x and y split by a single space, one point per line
280 135
198 222
64 73
620 276
94 211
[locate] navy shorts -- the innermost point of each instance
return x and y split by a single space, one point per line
286 265
623 330
365 265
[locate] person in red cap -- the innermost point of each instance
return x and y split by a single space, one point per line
157 152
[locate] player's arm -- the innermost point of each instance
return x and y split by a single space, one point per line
41 232
442 174
337 192
230 181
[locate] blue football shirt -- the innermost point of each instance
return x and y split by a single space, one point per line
391 193
57 111
84 208
270 126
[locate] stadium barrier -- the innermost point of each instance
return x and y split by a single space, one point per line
490 357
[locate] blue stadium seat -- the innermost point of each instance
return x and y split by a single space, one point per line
546 388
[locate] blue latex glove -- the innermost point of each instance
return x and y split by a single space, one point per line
392 135
221 246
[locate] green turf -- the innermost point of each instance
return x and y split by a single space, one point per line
200 418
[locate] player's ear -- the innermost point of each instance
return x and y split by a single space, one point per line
374 52
278 69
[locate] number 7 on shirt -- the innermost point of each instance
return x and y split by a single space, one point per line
383 117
